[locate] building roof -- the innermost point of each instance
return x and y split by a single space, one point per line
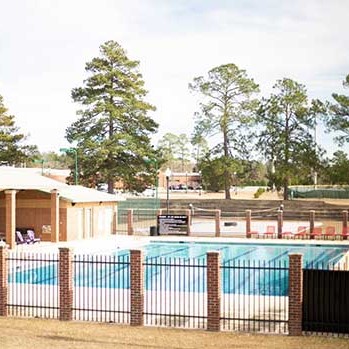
27 179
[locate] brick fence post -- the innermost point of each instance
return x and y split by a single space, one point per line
311 223
345 223
213 292
65 284
218 223
130 230
248 223
3 281
295 294
137 288
280 223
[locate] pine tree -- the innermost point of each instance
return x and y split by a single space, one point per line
113 129
12 151
227 108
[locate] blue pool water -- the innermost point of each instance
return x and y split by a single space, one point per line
246 268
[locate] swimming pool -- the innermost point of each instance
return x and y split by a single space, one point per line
248 269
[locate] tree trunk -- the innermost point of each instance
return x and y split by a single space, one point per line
286 190
111 186
227 185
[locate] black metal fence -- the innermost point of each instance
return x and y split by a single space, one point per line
175 292
101 288
33 285
255 296
326 299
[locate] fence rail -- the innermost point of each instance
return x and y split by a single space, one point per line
33 285
200 293
255 296
101 288
175 292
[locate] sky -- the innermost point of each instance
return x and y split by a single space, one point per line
45 44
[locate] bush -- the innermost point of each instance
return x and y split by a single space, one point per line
259 192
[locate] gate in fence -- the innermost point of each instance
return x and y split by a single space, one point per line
325 301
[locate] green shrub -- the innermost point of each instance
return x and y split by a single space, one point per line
259 192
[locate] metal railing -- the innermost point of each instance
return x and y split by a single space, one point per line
175 292
33 285
101 288
255 296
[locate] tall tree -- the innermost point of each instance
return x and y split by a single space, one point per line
168 146
113 129
338 118
175 150
183 150
286 139
12 150
226 110
338 170
200 148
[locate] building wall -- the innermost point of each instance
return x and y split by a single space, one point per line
76 221
89 220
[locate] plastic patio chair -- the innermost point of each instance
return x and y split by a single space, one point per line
317 232
270 232
345 233
20 239
301 232
31 237
330 232
287 234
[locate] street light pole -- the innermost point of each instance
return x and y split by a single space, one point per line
73 150
167 174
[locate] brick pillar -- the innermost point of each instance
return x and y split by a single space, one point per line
137 288
10 217
295 294
311 223
213 292
248 223
130 230
115 220
218 223
3 281
188 213
65 284
54 215
280 223
345 223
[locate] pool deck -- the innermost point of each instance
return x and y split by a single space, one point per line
114 242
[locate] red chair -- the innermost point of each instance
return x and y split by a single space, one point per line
251 233
270 232
330 232
287 234
345 233
301 232
317 232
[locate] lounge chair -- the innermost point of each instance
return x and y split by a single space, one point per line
252 233
287 234
270 232
330 232
317 232
31 239
20 239
345 233
301 232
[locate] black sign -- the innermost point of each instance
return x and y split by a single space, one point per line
172 224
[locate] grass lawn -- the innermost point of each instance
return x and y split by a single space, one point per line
51 334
